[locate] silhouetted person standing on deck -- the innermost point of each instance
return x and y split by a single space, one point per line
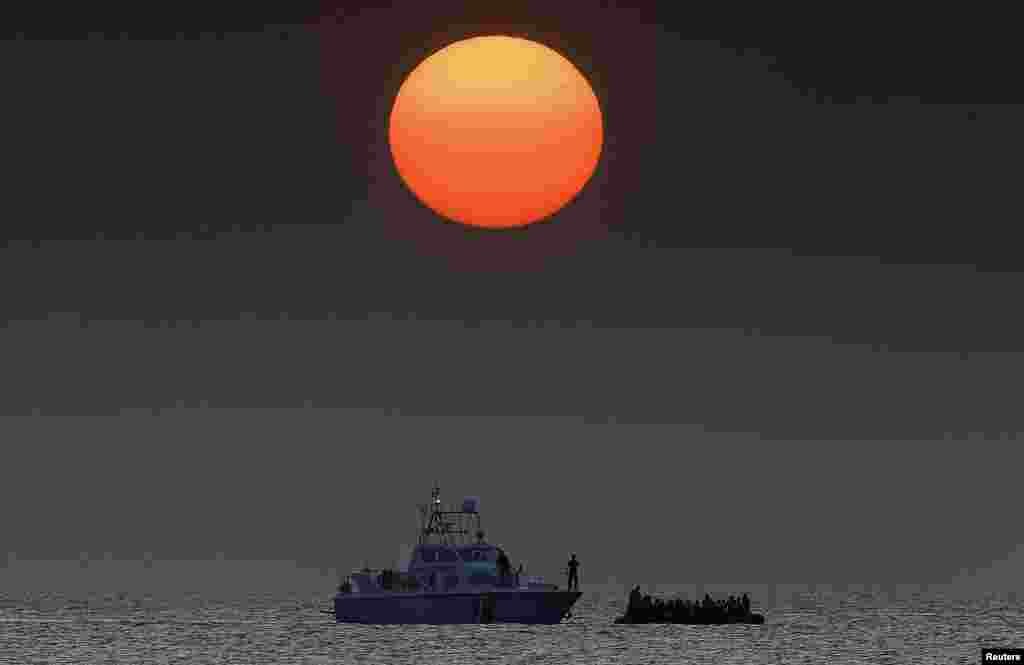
574 576
634 601
504 566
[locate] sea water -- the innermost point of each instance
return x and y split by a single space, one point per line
810 626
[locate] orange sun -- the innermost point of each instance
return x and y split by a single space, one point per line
495 132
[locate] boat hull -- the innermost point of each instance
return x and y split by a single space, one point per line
500 606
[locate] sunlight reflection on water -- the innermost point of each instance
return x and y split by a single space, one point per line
847 628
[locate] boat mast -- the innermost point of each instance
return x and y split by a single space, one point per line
435 522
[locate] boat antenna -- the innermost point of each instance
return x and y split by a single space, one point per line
450 527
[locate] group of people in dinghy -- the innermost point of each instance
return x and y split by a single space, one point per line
644 609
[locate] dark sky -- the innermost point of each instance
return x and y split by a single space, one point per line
776 338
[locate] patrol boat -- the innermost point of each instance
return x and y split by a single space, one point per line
450 580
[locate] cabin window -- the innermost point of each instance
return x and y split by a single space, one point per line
474 554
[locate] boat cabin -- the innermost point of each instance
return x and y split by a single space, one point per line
446 566
445 558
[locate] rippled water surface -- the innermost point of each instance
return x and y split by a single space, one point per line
282 628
